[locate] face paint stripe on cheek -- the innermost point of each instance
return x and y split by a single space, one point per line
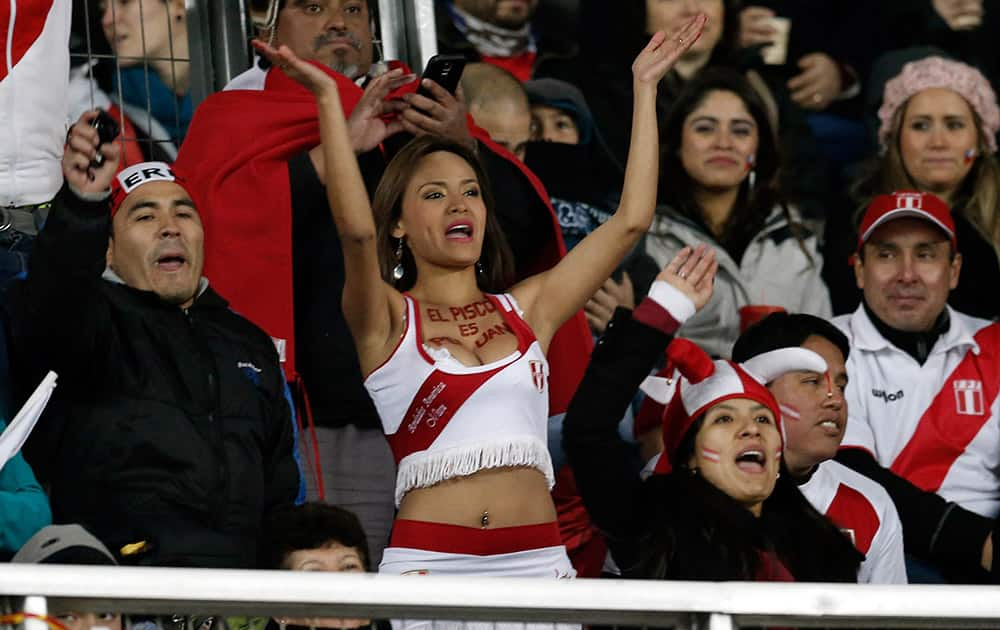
789 412
710 455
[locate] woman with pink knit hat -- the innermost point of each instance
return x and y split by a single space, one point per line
715 507
938 126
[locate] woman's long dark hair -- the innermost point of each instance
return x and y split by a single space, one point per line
496 260
676 186
712 537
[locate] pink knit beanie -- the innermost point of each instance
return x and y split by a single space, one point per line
938 72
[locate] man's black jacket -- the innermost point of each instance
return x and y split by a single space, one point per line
168 426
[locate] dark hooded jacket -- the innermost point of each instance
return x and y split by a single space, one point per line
169 428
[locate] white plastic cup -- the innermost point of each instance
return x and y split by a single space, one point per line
776 53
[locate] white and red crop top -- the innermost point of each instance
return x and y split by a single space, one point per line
444 419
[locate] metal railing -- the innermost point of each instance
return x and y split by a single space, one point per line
720 605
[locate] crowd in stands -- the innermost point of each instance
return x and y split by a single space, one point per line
666 289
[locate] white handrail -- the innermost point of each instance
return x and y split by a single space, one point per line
204 591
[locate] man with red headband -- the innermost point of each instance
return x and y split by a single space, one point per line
923 405
169 436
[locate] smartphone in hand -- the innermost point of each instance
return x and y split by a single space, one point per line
445 70
107 131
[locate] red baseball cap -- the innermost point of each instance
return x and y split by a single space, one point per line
907 204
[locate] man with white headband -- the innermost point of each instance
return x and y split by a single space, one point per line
169 437
814 417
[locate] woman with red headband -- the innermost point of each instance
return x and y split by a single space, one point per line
457 369
714 507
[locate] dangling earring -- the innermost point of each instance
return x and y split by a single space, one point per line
752 176
397 271
970 156
479 267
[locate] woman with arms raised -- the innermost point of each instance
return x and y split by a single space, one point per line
710 505
458 373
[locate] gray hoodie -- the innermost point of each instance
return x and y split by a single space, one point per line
774 271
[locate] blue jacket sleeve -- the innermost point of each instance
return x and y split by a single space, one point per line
24 508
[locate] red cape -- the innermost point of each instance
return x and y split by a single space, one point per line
234 160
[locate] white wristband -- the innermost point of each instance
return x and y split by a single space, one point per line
673 300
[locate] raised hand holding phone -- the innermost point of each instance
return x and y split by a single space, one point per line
444 70
84 144
438 108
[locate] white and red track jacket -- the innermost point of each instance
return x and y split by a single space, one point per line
864 511
935 425
34 76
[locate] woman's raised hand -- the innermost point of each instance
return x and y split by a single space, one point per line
311 77
662 51
692 272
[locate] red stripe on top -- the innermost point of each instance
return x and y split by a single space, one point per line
954 417
850 510
434 405
28 25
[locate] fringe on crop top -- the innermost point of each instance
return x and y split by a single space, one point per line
444 419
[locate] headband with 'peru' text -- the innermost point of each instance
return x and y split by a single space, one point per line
135 176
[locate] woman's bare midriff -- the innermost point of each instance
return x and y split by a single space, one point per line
508 497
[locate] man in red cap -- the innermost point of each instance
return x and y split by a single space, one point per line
169 436
923 396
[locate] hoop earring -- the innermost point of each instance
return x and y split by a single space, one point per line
398 271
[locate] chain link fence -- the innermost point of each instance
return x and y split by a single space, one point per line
150 62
